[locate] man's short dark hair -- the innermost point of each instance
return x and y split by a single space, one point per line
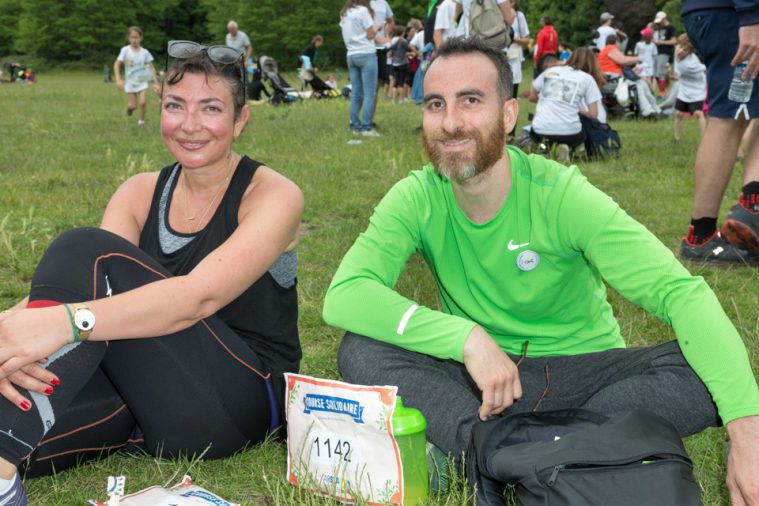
461 46
611 39
547 60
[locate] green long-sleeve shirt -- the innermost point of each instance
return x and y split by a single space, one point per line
532 273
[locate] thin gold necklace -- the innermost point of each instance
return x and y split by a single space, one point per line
190 219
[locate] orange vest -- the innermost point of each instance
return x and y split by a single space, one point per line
608 66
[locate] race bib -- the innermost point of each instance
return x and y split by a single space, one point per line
340 441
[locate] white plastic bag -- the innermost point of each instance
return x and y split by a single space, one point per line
183 493
622 93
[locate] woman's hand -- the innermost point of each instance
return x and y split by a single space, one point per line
28 336
33 378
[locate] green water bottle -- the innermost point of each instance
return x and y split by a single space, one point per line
408 428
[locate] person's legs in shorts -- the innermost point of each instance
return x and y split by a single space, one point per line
714 33
661 72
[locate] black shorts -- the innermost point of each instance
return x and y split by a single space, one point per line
383 73
400 73
689 107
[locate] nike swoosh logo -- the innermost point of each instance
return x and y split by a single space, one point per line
513 246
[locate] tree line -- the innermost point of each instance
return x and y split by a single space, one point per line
90 32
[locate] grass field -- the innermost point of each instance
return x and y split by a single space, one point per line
67 145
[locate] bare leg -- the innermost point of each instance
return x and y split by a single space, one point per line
678 125
132 101
751 162
7 470
701 122
714 164
143 104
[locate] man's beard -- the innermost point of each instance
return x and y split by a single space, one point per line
458 166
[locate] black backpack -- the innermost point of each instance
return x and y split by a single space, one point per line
576 457
601 140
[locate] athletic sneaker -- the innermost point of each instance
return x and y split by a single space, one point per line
129 111
716 251
741 227
370 133
15 496
562 153
140 122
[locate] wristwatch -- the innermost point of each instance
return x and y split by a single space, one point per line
83 320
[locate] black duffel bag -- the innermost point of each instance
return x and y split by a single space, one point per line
580 458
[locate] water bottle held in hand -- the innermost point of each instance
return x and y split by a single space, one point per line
740 89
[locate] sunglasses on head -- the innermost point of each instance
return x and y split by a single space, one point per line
224 55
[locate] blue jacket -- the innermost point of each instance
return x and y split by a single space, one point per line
748 10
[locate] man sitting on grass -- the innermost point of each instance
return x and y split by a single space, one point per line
519 247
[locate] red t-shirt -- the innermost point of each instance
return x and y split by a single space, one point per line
548 41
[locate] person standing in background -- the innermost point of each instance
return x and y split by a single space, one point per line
547 43
238 39
664 38
726 34
604 30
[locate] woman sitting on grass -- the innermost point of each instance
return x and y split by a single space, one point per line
169 327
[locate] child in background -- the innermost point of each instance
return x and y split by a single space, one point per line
564 51
399 49
331 81
647 52
138 72
692 90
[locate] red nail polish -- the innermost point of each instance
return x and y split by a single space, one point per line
25 405
55 381
49 390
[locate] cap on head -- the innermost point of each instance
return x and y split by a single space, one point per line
647 32
606 16
659 16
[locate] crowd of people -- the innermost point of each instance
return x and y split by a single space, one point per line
193 268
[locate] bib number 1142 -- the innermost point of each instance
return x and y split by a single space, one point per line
334 449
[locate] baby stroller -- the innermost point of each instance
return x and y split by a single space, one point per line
281 92
319 87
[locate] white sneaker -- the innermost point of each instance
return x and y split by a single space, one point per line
141 123
370 133
562 153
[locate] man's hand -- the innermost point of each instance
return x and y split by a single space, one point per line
743 461
748 50
493 371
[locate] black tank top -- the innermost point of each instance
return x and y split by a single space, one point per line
266 314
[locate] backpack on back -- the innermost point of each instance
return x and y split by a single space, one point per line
486 22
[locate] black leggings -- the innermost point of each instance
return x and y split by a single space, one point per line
202 389
572 141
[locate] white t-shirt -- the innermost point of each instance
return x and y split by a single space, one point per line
239 41
417 42
515 52
354 25
601 116
603 32
562 89
137 72
692 75
647 53
446 19
382 12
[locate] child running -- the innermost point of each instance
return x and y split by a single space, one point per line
138 72
692 90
